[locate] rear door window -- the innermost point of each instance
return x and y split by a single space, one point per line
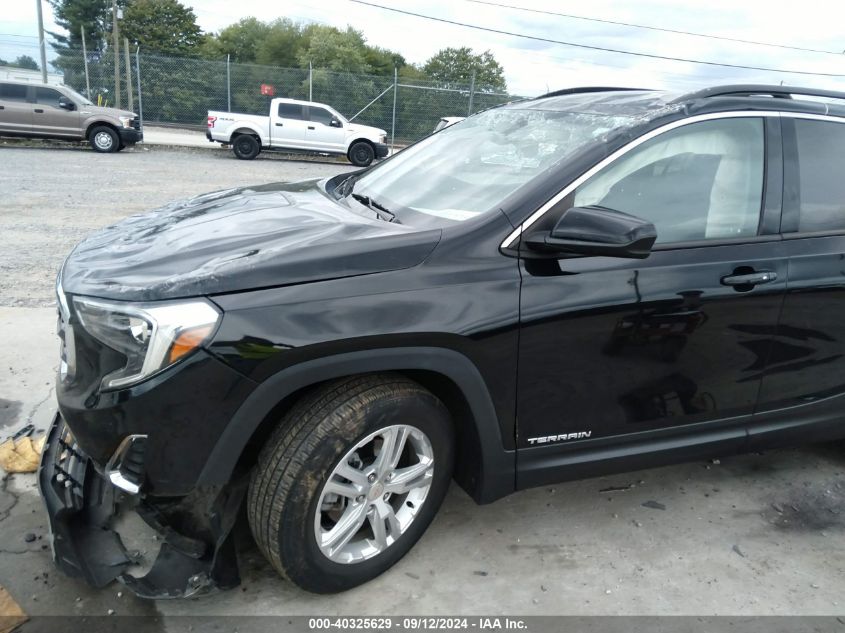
13 92
290 111
821 175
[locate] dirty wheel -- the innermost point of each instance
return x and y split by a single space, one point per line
246 147
361 154
349 480
103 139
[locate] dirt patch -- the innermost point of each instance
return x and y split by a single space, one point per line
810 508
10 410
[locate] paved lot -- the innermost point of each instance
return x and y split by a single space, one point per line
755 534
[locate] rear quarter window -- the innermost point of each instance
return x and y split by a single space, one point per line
290 111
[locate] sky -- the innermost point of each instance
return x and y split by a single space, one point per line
533 67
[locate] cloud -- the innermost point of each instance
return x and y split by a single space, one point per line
531 65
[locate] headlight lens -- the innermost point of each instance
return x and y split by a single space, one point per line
126 121
151 336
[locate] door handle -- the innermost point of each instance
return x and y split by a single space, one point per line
750 279
2 107
280 125
311 127
39 110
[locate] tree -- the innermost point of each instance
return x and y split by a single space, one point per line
281 45
166 27
332 49
239 40
72 15
25 61
455 66
382 61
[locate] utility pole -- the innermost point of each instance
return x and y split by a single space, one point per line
128 65
310 82
41 43
395 94
471 93
85 59
116 44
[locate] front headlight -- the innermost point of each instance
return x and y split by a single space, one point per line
126 121
150 336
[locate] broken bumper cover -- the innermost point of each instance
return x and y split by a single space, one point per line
82 506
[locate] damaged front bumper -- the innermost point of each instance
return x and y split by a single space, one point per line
196 552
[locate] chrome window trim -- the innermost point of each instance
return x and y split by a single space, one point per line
647 137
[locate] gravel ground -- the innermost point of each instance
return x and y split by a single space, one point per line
51 198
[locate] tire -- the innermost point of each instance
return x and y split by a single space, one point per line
361 154
316 437
104 139
246 146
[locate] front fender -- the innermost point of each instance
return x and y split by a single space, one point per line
495 470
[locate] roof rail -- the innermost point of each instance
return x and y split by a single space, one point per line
583 89
747 90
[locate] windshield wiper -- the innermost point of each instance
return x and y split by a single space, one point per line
383 212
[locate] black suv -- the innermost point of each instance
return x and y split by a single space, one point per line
588 282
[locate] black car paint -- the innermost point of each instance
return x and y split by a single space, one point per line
229 241
516 342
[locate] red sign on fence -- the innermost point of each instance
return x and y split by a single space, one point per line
268 90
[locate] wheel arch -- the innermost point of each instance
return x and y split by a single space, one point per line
246 130
483 467
100 123
360 139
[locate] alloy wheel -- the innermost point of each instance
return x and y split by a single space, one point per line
374 494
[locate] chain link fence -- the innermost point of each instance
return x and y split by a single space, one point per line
180 91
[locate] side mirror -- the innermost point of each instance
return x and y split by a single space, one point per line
597 231
66 104
335 123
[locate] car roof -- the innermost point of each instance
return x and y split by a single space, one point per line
651 104
37 84
301 102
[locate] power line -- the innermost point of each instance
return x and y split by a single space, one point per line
656 28
596 48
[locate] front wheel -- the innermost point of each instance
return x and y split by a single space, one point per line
361 154
104 139
246 147
350 480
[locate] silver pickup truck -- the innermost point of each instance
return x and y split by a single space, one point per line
38 110
300 126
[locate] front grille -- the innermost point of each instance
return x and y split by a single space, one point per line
69 464
136 123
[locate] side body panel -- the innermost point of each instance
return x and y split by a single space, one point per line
803 392
455 315
15 110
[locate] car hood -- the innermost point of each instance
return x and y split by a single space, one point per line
115 112
239 239
355 128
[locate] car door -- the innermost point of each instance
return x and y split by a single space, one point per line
15 109
287 125
320 134
662 357
48 119
803 391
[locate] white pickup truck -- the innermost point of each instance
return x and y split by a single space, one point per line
297 125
